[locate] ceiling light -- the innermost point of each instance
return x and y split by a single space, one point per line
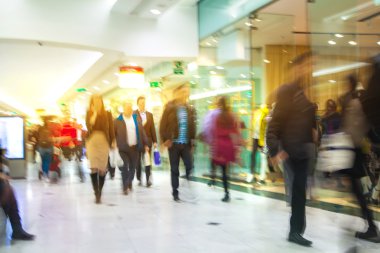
197 76
208 44
133 64
344 18
266 61
214 40
106 81
219 67
352 43
378 43
192 66
338 35
331 42
332 81
155 11
258 19
212 72
96 88
243 76
248 23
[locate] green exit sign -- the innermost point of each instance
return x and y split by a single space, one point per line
81 90
155 84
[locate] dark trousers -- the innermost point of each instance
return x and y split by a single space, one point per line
148 168
130 159
255 147
176 152
357 187
299 167
9 204
224 175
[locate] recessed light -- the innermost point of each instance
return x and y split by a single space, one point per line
96 88
344 18
197 76
378 43
108 82
248 23
155 11
332 81
331 42
208 44
338 35
258 19
212 72
266 61
219 67
243 76
352 43
214 40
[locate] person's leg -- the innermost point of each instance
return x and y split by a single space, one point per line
255 145
213 173
225 183
174 169
46 157
148 171
95 184
138 166
124 171
9 204
133 155
298 220
187 159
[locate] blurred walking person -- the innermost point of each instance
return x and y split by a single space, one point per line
359 119
45 144
177 132
146 118
100 138
290 137
131 140
225 140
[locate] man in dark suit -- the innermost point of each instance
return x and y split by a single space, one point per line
290 138
148 123
131 140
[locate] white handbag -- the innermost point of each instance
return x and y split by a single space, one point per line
336 153
115 158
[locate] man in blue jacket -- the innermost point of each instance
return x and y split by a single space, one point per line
130 139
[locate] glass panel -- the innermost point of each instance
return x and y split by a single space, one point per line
217 14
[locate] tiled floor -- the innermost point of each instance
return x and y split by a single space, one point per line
65 219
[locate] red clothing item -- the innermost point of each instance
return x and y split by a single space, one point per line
68 130
225 143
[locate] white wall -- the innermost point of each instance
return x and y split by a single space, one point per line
91 23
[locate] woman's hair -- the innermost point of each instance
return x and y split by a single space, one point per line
225 118
91 106
330 103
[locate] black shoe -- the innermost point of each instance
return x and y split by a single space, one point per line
22 235
298 239
211 183
371 235
226 198
149 184
125 192
140 184
176 198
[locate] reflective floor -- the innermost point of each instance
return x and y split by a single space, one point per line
65 219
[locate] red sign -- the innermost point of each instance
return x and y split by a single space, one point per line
131 70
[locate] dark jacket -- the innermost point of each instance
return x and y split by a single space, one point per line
150 129
121 133
292 123
103 123
169 123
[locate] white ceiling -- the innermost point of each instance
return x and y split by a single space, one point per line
34 75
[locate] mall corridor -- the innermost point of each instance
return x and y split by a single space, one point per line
65 219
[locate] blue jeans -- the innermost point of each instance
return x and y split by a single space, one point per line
46 158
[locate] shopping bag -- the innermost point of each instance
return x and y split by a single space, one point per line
157 157
336 153
147 158
115 158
